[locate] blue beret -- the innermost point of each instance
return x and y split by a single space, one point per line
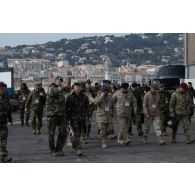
124 85
104 89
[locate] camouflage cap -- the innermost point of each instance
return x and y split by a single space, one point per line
59 78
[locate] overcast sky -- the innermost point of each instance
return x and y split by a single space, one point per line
14 39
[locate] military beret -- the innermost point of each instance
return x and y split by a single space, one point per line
104 89
106 82
183 86
124 85
59 78
79 84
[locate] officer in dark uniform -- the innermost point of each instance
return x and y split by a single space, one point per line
77 105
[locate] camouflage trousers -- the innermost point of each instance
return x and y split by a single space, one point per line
156 123
185 124
37 119
123 124
3 139
105 129
163 118
138 119
78 128
52 123
22 113
88 123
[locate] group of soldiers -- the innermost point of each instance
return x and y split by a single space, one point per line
70 109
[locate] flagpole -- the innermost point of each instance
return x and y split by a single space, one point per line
186 55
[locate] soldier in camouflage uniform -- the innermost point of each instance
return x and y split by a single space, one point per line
164 107
3 125
179 107
104 114
151 107
56 116
108 83
125 102
22 95
77 105
66 91
135 89
35 101
91 95
9 112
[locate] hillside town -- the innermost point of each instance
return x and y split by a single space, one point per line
129 58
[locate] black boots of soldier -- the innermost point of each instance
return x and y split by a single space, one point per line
22 123
5 159
36 131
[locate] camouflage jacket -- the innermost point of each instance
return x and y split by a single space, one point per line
95 91
164 102
180 103
105 109
3 110
55 102
66 90
35 100
77 106
6 99
151 104
90 95
22 97
125 103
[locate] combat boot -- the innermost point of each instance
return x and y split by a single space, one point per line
145 139
128 141
165 133
140 133
120 141
27 124
59 153
78 152
5 159
22 123
188 139
104 144
83 139
34 131
161 140
173 140
38 131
